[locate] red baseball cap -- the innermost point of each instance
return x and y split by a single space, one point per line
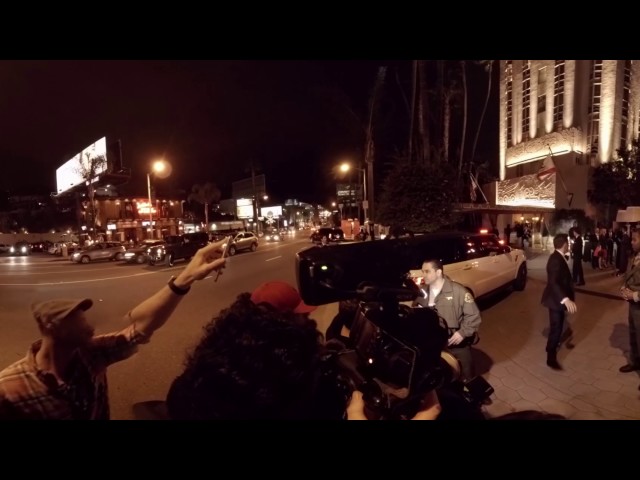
282 296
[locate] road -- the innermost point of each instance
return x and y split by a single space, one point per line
510 354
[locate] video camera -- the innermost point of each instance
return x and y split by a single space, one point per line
395 354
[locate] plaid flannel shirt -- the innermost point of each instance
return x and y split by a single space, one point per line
26 392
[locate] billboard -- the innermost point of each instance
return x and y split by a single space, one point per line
267 212
69 175
244 208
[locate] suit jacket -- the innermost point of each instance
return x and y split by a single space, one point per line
576 249
559 283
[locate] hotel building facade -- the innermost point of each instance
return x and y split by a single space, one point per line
578 111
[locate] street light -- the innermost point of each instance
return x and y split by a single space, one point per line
162 169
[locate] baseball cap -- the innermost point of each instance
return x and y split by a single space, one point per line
282 296
52 312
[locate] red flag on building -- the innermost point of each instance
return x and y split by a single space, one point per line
547 168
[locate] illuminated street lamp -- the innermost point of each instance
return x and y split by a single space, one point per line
162 169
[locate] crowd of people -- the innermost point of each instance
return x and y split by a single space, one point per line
262 357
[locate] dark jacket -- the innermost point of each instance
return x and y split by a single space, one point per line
559 283
576 249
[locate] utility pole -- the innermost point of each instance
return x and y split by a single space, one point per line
255 197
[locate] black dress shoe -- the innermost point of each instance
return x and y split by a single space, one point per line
580 284
569 345
629 367
554 364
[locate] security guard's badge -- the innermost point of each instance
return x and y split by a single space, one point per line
468 298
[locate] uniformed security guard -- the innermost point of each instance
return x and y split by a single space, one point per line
455 304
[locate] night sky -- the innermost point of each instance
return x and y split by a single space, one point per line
211 119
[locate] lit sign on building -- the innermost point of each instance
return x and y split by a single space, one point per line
527 191
143 208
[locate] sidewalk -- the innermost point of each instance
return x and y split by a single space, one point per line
590 385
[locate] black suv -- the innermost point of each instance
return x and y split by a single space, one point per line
177 247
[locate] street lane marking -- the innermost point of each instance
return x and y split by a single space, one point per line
274 258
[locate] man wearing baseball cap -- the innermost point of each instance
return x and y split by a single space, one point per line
63 376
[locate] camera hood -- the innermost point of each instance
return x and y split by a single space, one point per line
365 270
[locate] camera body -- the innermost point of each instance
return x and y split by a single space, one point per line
395 354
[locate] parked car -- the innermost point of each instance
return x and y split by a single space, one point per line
20 248
177 247
332 234
140 252
243 241
477 261
99 251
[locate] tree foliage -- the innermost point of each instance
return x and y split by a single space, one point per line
205 195
418 196
617 183
88 168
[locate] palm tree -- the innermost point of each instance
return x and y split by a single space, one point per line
205 194
88 169
488 67
463 67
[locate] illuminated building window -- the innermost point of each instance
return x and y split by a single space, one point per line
509 116
542 101
626 89
526 98
558 94
594 107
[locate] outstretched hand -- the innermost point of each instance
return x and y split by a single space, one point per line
205 261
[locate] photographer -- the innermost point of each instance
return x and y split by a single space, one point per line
455 304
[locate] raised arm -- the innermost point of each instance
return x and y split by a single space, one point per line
152 313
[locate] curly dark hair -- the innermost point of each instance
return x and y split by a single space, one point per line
252 363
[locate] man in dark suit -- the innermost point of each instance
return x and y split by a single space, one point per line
558 296
576 253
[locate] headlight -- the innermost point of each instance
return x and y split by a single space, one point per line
12 249
129 255
23 249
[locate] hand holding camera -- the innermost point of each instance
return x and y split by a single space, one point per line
429 409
